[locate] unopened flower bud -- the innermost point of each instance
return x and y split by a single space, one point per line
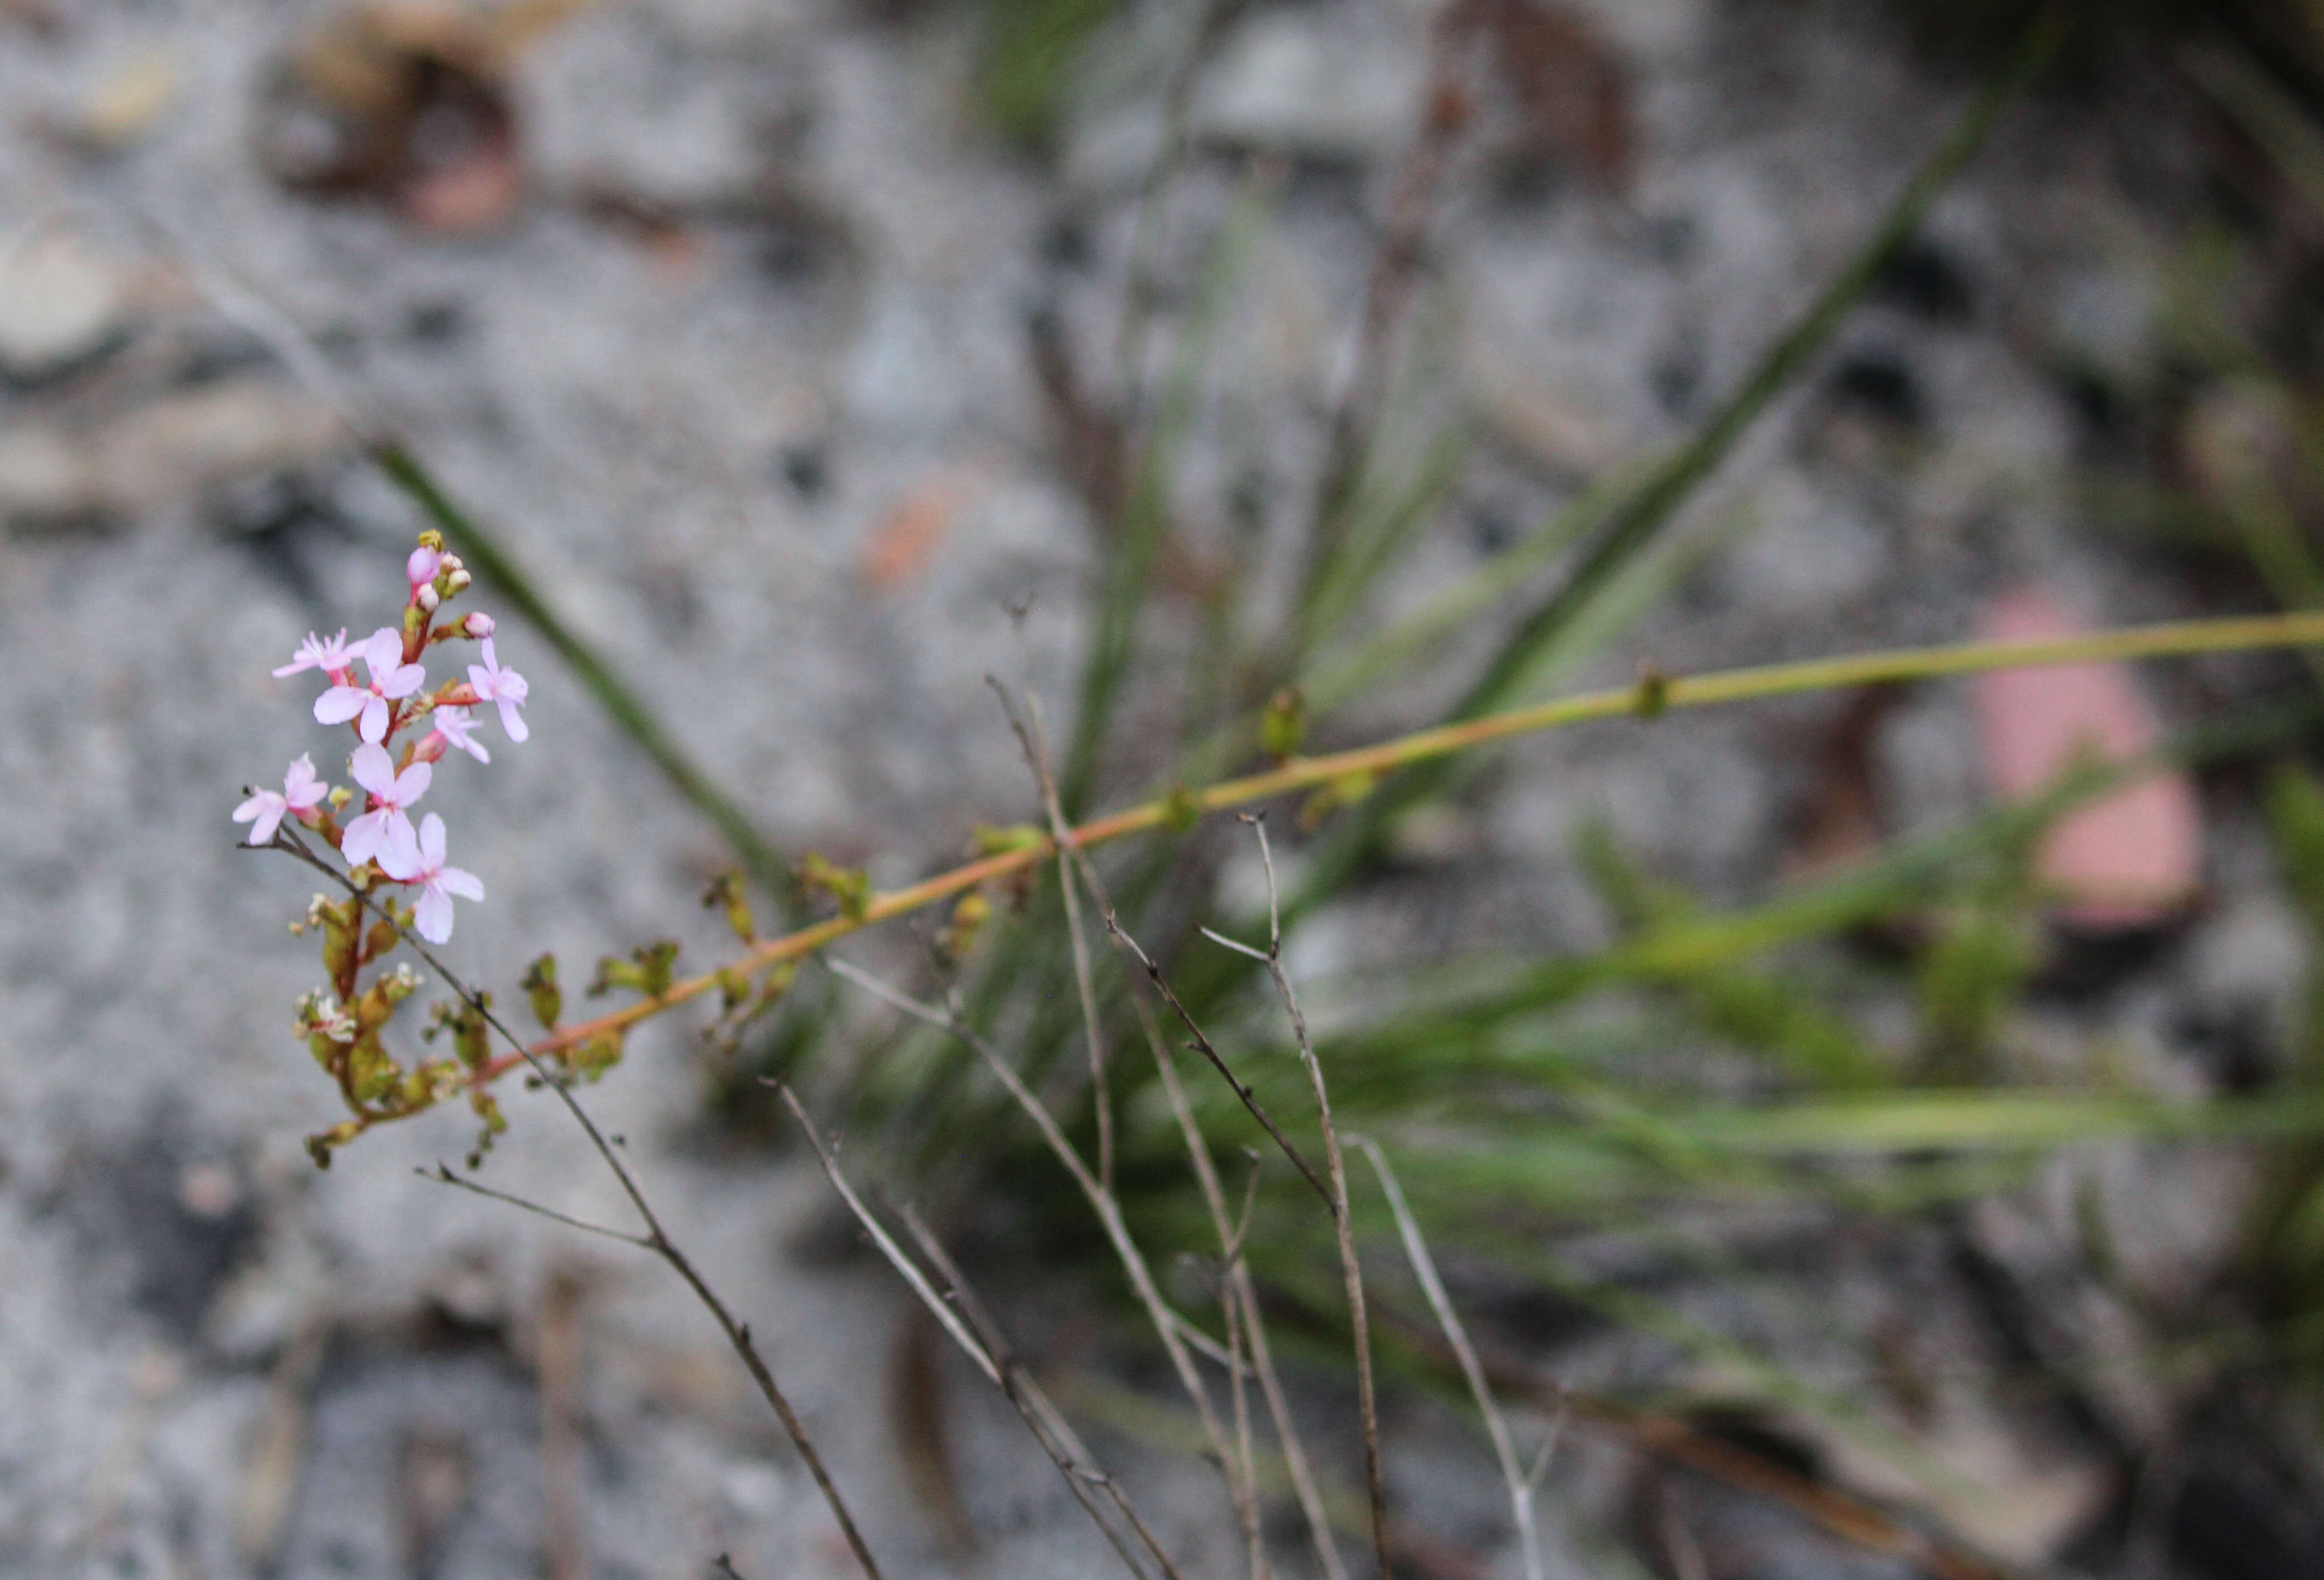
431 746
477 626
420 568
454 582
427 600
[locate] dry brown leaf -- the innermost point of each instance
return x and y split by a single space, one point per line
408 103
1839 823
1573 90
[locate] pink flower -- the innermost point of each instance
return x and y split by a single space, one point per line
392 680
504 687
437 883
420 568
331 656
387 826
301 792
456 726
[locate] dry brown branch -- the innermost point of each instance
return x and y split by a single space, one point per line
885 1243
1513 1475
1239 1396
1034 742
1000 1368
656 1239
1081 1464
1202 1045
1673 1439
442 1175
1278 1408
1167 1322
565 1557
1239 1311
1350 1270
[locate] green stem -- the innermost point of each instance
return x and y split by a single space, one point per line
1347 771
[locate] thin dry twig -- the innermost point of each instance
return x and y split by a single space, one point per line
565 1554
656 1239
1239 1309
1279 1407
904 1265
1070 1452
1238 1395
1513 1475
1031 737
1202 1045
1350 1270
998 1367
442 1175
1167 1322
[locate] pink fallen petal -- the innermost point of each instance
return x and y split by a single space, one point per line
2131 860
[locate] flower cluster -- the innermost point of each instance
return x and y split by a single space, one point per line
398 870
380 844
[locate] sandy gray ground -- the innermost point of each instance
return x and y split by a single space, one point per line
213 1358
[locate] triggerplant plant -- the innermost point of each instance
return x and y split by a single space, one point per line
394 867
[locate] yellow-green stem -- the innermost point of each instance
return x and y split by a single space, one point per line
1651 695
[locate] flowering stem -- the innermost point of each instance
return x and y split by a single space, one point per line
655 1238
1354 771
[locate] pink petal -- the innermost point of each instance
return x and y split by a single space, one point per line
363 837
308 654
400 847
466 884
2130 860
404 681
412 784
511 719
340 703
431 841
374 769
374 727
397 855
433 914
382 651
266 807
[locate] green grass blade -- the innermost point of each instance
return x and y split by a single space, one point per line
1137 537
1641 516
